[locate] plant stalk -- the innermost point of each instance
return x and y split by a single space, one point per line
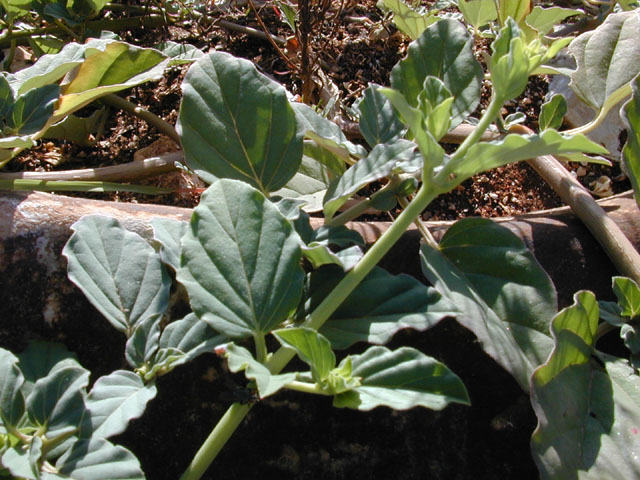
304 387
216 440
236 413
151 118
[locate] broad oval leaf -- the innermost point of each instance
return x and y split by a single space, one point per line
57 400
608 59
31 111
382 305
312 348
11 381
408 20
378 120
118 271
52 67
401 379
237 123
115 400
478 12
118 67
503 271
240 261
98 459
519 349
41 359
444 50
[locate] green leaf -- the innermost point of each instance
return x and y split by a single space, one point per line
14 141
631 150
378 164
180 53
503 272
227 98
484 156
240 359
312 348
143 343
57 400
6 97
78 129
435 101
98 459
516 9
382 305
22 460
518 349
340 236
41 359
444 50
408 20
310 121
183 340
552 112
587 416
240 261
11 381
320 255
628 294
542 20
52 67
401 379
478 12
378 120
431 153
114 401
168 232
119 272
118 67
31 111
86 9
309 184
509 63
608 59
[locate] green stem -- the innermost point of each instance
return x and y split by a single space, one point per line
151 118
216 440
236 413
424 230
493 110
306 388
358 209
261 347
352 279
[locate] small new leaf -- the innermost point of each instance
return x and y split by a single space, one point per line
240 359
552 112
312 348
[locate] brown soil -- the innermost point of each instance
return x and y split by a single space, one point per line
353 49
